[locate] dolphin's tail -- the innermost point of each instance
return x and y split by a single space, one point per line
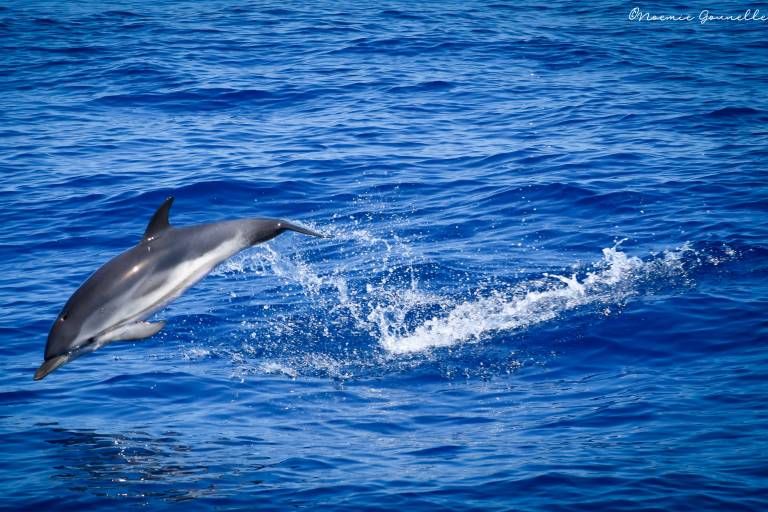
293 227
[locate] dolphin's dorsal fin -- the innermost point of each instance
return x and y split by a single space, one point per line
159 221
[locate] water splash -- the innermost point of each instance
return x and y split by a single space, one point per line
375 291
611 282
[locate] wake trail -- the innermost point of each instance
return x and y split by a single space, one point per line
375 288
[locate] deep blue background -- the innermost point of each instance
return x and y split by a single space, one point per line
463 341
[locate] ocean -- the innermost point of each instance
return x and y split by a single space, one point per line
545 283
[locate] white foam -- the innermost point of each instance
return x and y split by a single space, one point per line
610 282
195 353
278 369
367 285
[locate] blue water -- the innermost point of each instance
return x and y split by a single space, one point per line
546 287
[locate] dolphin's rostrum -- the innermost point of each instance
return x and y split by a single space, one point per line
114 302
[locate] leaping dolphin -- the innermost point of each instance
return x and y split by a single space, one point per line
114 302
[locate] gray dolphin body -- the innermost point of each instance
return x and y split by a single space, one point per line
114 302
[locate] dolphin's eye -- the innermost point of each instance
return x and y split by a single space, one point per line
64 316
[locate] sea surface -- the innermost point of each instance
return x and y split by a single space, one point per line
545 286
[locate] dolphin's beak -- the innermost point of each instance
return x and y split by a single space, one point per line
50 365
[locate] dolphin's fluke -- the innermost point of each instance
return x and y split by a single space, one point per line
50 365
293 227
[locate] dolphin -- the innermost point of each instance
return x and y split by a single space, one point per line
114 302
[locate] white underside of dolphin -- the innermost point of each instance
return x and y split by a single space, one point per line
114 302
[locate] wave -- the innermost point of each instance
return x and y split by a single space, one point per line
717 119
733 112
203 99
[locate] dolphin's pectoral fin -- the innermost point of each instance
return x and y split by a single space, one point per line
134 331
140 331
